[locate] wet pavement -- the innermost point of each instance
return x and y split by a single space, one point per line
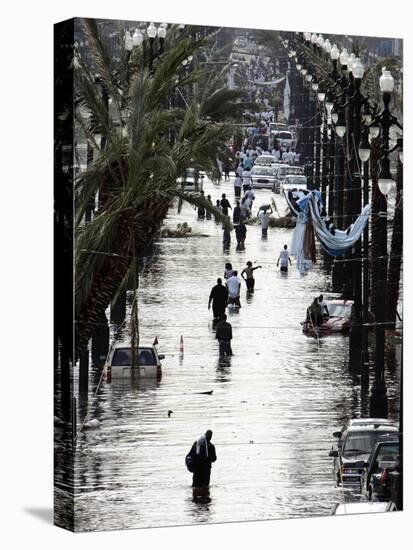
274 406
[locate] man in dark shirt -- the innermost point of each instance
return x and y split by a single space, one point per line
241 233
236 214
219 299
224 336
225 204
203 452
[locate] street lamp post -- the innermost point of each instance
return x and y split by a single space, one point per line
378 396
356 102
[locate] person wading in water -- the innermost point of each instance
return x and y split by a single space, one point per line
249 279
219 299
224 336
202 455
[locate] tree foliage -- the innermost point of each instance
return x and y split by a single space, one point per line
147 144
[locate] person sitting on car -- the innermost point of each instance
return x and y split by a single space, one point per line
314 313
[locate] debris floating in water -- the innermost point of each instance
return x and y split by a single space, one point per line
92 424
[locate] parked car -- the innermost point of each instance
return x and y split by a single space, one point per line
294 182
191 181
339 320
348 508
262 177
286 170
354 448
384 463
119 362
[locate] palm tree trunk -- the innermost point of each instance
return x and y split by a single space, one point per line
396 250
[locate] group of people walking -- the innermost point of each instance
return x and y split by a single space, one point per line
221 296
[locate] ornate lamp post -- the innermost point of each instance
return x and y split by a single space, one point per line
137 39
378 397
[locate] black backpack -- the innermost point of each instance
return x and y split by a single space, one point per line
189 461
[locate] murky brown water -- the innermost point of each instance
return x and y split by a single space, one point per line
274 406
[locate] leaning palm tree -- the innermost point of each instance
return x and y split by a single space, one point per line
148 145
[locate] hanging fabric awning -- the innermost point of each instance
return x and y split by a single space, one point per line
341 241
311 219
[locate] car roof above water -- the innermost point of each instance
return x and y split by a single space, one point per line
373 427
360 421
122 345
361 508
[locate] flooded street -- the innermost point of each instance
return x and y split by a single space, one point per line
274 406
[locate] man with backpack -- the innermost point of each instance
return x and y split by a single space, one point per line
199 460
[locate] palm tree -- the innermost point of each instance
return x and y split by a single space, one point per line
135 174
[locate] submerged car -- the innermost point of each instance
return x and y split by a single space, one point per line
354 448
262 177
119 362
339 320
384 465
348 508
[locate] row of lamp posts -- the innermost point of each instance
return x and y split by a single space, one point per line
342 126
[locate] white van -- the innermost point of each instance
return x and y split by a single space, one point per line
119 362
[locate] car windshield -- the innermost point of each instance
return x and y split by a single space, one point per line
122 357
362 442
339 310
283 135
262 171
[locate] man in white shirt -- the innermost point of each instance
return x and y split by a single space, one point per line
283 259
237 186
264 217
249 194
288 156
246 179
234 286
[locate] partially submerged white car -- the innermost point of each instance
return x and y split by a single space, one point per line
349 508
119 362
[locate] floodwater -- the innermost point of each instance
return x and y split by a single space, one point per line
274 406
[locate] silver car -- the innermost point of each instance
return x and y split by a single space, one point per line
262 177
